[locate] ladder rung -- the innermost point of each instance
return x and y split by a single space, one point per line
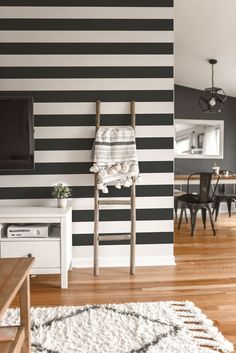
116 237
115 202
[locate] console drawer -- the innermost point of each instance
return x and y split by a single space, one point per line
46 253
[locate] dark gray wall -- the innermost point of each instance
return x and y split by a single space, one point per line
186 107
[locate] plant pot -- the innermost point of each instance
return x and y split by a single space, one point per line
61 203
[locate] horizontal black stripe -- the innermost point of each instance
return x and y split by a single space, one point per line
93 96
84 192
87 72
106 119
86 48
123 215
96 3
156 167
57 24
141 238
83 168
87 144
114 143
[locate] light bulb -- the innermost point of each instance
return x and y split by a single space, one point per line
212 102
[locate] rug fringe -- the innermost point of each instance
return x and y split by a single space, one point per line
208 337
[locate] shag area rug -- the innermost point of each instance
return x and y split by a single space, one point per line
165 327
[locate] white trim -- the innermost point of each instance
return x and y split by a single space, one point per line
118 255
224 208
83 12
124 261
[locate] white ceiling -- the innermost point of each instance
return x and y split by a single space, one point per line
205 29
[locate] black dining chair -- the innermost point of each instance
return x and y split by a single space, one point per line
223 196
177 203
177 193
201 200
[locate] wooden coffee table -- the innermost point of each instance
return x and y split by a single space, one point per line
14 278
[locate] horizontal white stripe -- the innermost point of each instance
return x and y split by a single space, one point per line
86 36
74 180
119 255
106 108
86 60
86 12
71 156
157 179
123 227
63 156
86 84
88 203
156 155
89 131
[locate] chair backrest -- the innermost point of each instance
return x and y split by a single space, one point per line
205 193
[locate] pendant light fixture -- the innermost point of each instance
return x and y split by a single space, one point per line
213 98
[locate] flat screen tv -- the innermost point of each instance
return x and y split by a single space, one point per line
16 133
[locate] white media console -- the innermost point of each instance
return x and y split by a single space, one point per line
53 254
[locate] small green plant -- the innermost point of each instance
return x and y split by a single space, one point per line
61 191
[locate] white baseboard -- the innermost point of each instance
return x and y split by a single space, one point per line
124 262
118 256
224 209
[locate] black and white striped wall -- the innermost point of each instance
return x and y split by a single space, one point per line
67 54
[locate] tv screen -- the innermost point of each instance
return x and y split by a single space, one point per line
16 133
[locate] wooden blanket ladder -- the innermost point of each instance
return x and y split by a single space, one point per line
104 201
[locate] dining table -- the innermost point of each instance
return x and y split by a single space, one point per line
224 179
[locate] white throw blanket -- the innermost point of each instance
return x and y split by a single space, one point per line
115 157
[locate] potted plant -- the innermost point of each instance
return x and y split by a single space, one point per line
61 192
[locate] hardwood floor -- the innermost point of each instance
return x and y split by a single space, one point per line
205 273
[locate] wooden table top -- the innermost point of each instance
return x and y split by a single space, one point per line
13 272
196 177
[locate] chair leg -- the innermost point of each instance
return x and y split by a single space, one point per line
217 207
176 201
185 215
211 219
229 206
213 208
181 216
204 217
193 213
